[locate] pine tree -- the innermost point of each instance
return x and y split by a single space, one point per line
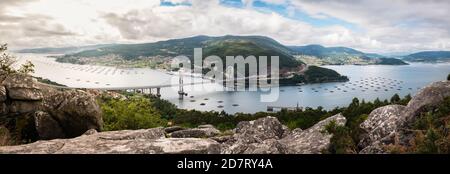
7 61
395 99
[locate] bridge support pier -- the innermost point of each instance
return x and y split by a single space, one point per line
181 95
158 92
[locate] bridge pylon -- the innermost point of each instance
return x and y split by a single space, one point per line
181 92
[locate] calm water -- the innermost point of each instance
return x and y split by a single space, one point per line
366 82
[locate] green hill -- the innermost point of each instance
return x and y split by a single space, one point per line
429 56
321 51
220 46
235 47
320 55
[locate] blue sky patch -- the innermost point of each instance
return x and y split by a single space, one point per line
171 4
232 3
283 9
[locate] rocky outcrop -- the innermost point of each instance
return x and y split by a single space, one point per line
262 136
46 126
268 136
173 129
313 140
3 94
380 123
250 135
22 88
3 97
431 95
4 136
390 125
150 141
199 132
55 113
76 111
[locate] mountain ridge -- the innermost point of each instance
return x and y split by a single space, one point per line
232 45
429 56
320 55
62 50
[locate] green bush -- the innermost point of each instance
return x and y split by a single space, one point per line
341 142
395 99
431 129
135 113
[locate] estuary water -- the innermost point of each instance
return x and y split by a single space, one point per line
366 82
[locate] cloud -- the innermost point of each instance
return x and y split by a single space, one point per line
382 26
27 29
211 18
174 22
399 25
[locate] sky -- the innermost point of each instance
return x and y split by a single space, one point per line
377 26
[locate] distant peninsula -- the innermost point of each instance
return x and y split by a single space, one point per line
320 55
429 57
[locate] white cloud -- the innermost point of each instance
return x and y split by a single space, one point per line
386 26
401 25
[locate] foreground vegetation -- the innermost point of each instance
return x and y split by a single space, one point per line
431 130
142 111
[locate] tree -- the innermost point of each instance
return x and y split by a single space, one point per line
448 77
405 100
355 103
137 112
7 62
395 99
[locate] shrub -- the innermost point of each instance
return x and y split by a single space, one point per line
341 142
134 113
395 99
431 130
